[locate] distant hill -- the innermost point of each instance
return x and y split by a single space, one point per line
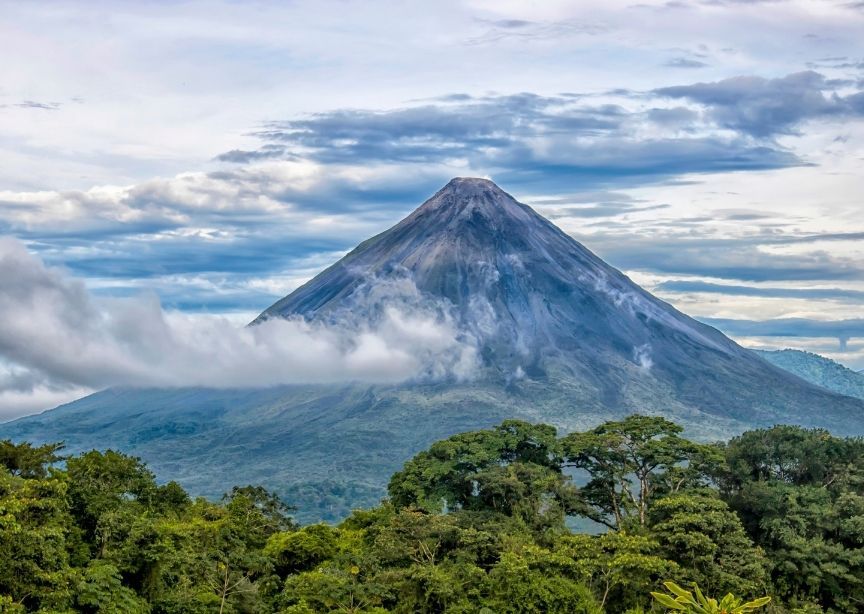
818 370
560 336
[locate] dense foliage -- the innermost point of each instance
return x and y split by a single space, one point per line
476 523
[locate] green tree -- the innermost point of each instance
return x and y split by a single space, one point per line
476 524
332 589
514 470
800 495
626 460
259 512
34 525
101 591
171 498
796 456
28 461
303 549
106 483
620 568
525 582
702 535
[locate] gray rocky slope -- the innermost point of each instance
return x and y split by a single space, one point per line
560 337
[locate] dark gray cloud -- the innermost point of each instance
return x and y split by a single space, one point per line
553 143
679 118
592 204
739 259
512 23
691 286
765 107
247 254
522 140
441 131
598 210
267 152
730 2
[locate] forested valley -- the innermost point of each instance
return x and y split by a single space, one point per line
506 520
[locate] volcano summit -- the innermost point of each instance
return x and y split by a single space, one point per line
556 335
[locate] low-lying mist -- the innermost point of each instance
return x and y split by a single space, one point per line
57 339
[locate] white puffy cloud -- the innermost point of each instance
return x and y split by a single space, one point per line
56 338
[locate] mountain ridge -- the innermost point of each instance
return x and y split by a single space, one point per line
818 370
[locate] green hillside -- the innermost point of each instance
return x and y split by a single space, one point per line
818 370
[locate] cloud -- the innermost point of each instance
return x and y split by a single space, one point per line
526 31
743 258
685 63
791 327
55 335
682 286
239 156
229 239
439 131
765 107
44 106
297 195
676 117
729 125
522 140
734 2
14 404
203 240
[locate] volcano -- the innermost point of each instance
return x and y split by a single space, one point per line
560 337
543 307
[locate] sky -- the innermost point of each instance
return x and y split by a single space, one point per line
188 163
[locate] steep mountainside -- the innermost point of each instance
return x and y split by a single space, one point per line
560 337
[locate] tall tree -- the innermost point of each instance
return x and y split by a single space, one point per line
514 470
619 567
26 460
105 484
706 539
626 461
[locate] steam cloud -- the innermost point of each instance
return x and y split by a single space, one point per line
57 339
